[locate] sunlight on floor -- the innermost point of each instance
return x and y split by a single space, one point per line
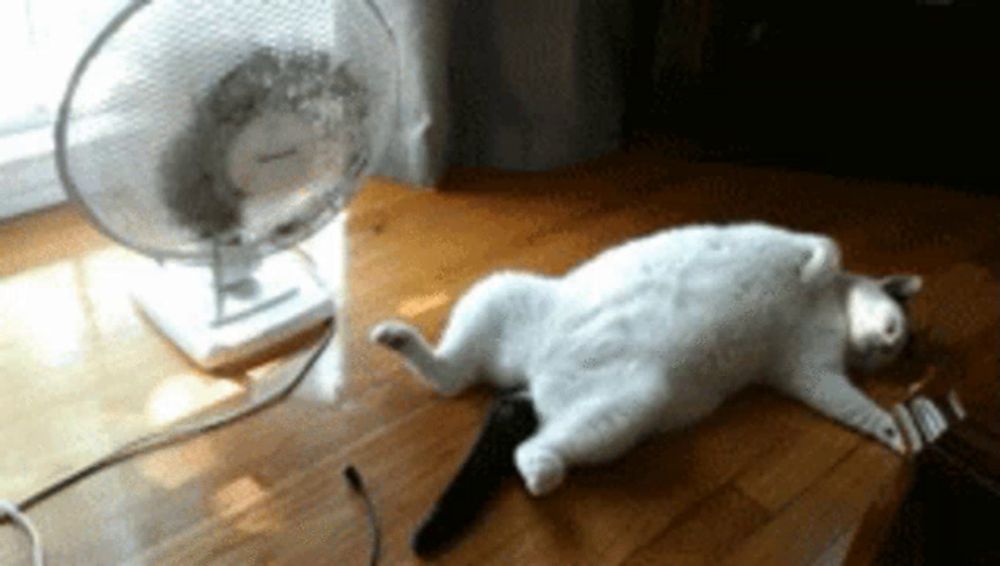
415 306
181 466
74 334
181 395
88 296
31 304
237 497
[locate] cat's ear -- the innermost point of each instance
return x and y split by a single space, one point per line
902 287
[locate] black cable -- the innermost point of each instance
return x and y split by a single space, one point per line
358 485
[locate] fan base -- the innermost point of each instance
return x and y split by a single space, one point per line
281 300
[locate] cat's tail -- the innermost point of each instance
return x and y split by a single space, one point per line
510 421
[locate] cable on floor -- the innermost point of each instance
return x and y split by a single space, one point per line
17 512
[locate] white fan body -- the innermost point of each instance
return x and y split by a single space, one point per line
279 299
216 137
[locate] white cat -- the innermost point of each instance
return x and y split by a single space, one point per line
654 334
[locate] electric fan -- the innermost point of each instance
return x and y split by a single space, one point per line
213 137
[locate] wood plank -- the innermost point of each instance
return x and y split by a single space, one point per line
801 532
814 446
718 522
874 527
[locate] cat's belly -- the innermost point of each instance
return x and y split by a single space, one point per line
715 334
694 361
692 393
701 322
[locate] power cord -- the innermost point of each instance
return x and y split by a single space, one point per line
358 485
17 512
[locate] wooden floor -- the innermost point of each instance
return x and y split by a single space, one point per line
762 482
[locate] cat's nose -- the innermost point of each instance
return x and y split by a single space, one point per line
891 329
888 342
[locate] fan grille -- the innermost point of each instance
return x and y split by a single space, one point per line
140 99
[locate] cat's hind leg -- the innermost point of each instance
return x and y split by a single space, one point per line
498 306
593 433
447 375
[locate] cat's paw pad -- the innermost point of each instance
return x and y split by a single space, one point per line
392 334
541 470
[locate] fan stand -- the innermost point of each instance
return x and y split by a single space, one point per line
236 308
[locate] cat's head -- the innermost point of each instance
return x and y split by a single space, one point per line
877 321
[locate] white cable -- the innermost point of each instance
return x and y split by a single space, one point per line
8 509
149 443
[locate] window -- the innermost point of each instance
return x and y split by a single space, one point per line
40 42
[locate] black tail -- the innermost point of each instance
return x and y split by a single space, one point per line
511 420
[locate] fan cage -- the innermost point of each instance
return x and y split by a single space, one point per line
137 87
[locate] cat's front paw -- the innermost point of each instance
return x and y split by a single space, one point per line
392 334
541 470
889 433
